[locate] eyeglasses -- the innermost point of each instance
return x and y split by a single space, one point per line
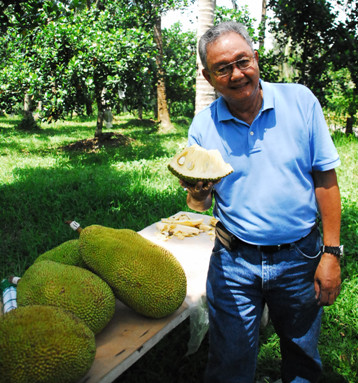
226 70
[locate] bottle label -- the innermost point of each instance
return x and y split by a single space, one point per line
9 299
74 225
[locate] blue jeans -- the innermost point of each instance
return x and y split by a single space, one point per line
238 285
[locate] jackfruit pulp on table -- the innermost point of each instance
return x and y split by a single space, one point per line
73 288
67 253
44 344
143 275
195 164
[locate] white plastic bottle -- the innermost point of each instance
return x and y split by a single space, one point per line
8 290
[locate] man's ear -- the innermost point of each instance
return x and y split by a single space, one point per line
206 74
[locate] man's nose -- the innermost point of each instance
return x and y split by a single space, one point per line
236 72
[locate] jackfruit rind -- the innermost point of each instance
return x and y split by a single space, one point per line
73 288
42 344
143 275
195 164
67 253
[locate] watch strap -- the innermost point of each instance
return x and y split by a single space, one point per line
335 250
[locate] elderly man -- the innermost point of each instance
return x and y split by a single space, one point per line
268 247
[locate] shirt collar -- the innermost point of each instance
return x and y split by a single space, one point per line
224 113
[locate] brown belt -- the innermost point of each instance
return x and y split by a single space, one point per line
231 242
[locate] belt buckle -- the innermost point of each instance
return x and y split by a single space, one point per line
269 248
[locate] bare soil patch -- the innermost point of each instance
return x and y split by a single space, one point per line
108 140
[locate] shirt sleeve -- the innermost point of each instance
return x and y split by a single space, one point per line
324 155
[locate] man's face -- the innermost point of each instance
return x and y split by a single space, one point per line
239 85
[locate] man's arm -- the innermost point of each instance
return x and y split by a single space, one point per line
328 273
199 196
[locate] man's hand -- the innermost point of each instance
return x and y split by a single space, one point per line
327 280
199 195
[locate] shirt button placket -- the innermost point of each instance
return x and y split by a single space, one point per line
251 139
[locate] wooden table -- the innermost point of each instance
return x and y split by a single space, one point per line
129 336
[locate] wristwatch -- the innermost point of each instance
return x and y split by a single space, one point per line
335 250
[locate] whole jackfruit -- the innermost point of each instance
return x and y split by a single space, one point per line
143 275
67 253
195 164
44 344
73 288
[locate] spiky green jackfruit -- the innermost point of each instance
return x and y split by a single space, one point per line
143 275
195 164
67 253
44 344
73 288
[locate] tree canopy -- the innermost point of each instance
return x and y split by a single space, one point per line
73 56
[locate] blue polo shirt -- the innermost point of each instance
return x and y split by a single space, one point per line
269 198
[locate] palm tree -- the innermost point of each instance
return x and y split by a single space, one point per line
205 94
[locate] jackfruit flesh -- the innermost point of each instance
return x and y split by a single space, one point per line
195 164
44 344
143 275
67 253
73 288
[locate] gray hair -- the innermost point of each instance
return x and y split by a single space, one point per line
217 31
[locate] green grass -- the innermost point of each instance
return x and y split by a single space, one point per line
42 185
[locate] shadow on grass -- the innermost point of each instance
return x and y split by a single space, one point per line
35 207
143 141
349 237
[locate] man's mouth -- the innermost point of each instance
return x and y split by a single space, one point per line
237 86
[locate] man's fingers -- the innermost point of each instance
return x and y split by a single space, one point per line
326 297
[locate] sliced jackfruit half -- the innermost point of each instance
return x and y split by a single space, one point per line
195 164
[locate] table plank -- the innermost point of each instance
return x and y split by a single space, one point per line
126 339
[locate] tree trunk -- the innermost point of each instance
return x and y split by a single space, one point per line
352 110
205 93
28 119
165 124
140 112
349 126
28 105
88 103
263 24
101 105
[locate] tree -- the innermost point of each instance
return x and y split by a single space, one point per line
180 69
161 6
205 93
317 43
303 31
83 54
163 112
344 54
96 50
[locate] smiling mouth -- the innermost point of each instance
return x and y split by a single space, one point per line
238 86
